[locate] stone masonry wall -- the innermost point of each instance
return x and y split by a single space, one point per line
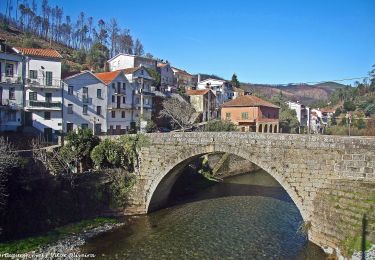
307 166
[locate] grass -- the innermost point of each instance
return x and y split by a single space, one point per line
354 244
32 243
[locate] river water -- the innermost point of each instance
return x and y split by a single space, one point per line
248 216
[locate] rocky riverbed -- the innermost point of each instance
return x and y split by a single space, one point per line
68 248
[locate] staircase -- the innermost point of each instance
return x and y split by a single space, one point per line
53 161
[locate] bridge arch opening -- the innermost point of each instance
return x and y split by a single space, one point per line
160 190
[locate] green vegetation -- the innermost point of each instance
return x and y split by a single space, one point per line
219 126
119 153
352 244
33 243
156 75
78 147
235 81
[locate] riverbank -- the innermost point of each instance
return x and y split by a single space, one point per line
60 242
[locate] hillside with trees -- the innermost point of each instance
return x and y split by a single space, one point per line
83 42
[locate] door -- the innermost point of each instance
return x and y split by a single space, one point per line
1 93
118 102
118 129
69 127
48 135
48 97
98 128
28 119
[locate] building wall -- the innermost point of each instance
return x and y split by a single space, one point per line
76 99
236 114
166 75
130 61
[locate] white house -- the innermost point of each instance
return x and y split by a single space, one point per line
166 77
11 88
222 89
142 82
126 61
83 93
302 111
43 90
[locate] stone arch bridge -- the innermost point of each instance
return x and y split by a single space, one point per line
331 179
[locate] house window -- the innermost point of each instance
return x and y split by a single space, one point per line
99 93
123 100
12 116
113 114
245 115
137 101
114 86
98 110
70 90
118 87
9 70
227 115
49 78
113 99
147 101
33 96
84 109
33 74
48 97
47 115
124 86
70 108
84 126
12 93
123 114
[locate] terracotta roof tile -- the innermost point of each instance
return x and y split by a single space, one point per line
248 101
160 64
194 92
108 77
131 70
49 53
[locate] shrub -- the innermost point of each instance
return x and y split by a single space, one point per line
349 106
108 154
219 126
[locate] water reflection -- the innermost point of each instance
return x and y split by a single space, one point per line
246 217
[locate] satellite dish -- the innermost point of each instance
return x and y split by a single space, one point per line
42 67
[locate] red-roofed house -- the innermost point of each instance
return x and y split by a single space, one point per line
251 113
204 102
43 90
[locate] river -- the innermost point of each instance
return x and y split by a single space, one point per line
248 216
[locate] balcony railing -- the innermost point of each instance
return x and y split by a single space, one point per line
114 105
43 83
10 104
10 79
55 105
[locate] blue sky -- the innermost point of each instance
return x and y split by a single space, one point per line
262 41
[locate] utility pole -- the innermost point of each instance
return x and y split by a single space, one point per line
142 123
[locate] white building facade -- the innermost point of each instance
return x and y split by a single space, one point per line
222 89
302 111
166 77
43 91
11 89
126 61
83 93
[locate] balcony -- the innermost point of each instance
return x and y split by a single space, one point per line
10 79
10 104
43 83
43 105
114 106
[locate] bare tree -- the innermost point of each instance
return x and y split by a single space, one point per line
180 112
113 34
8 160
138 48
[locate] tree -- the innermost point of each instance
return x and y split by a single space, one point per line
180 112
235 81
97 56
113 35
349 106
138 48
288 120
156 75
108 154
151 127
8 161
219 126
78 147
